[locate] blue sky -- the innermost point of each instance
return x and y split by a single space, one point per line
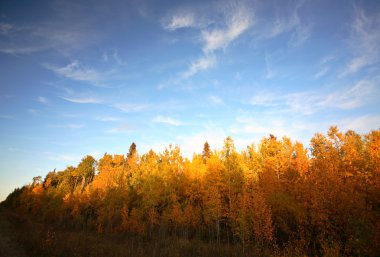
89 77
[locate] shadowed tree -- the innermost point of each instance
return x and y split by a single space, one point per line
206 151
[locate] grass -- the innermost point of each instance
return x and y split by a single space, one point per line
38 239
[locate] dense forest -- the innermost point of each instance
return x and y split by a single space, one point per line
275 198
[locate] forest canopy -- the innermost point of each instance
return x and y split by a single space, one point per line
277 194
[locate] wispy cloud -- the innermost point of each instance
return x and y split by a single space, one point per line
234 19
61 35
16 50
122 128
67 158
361 124
203 63
265 99
300 36
216 100
193 143
322 72
69 126
364 42
32 111
6 117
167 120
179 20
309 102
285 21
113 55
250 125
237 22
128 107
16 149
42 100
282 25
83 100
5 28
76 71
107 118
269 67
327 59
324 66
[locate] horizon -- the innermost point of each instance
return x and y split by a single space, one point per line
88 78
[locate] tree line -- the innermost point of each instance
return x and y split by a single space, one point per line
277 194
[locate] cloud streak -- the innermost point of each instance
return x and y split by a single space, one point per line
236 19
237 22
167 120
128 107
6 117
69 126
107 118
83 100
76 71
122 128
202 64
181 20
310 102
42 100
364 42
216 100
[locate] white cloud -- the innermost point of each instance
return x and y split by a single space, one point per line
67 158
32 111
42 100
115 56
107 118
364 42
268 67
63 35
324 66
363 124
127 107
76 71
122 128
282 25
309 102
237 22
327 59
16 149
300 36
7 117
15 50
264 99
5 28
83 100
69 126
105 56
259 127
351 97
194 143
167 120
286 20
236 19
322 72
282 21
178 21
216 99
203 63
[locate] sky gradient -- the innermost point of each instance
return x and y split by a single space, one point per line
89 77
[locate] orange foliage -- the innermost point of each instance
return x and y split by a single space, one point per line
321 201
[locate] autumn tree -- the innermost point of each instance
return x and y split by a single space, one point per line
319 201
